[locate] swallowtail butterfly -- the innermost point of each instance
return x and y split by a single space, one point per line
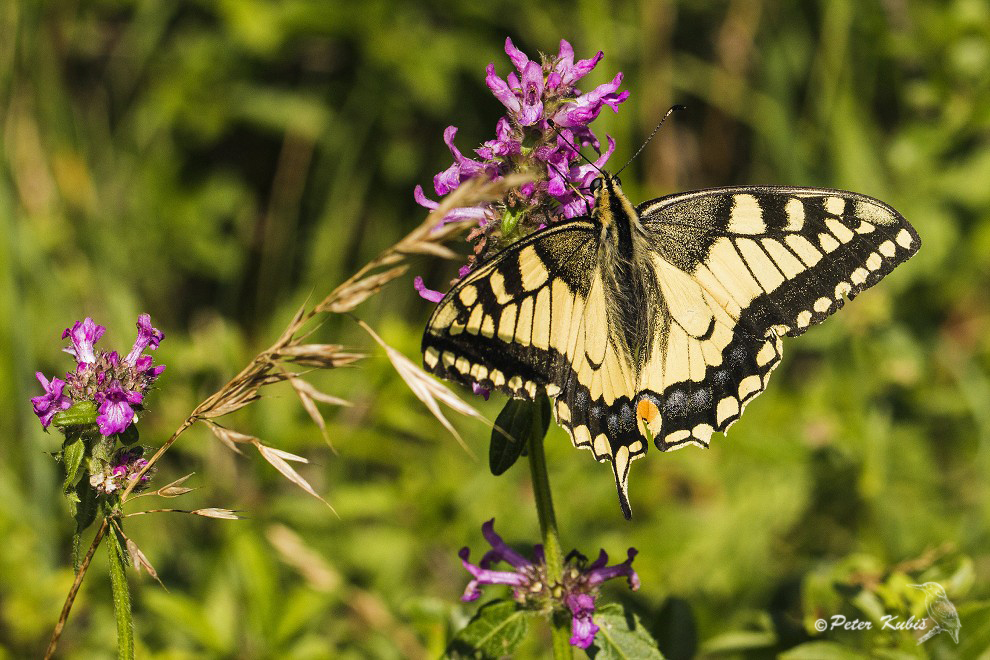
662 320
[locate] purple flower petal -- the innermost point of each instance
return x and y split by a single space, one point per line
585 108
83 335
461 170
428 294
569 71
583 628
532 90
518 57
148 338
116 413
52 401
501 548
601 574
479 390
484 576
501 90
422 199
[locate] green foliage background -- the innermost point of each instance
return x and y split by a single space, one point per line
216 164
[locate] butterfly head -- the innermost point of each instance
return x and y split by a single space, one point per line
616 214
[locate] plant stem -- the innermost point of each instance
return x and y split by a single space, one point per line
548 530
121 596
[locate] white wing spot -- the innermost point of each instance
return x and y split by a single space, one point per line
747 216
841 232
749 385
795 214
803 248
474 322
582 437
766 354
804 319
888 249
727 407
874 261
827 242
515 383
601 447
904 239
835 205
873 212
841 289
431 357
488 326
823 304
497 282
468 295
531 269
864 228
507 323
703 432
859 276
463 365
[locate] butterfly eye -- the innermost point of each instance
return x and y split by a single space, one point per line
596 185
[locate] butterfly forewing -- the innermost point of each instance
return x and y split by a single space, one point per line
672 342
761 262
507 325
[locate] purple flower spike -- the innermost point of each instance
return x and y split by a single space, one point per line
84 334
52 401
116 413
148 338
576 591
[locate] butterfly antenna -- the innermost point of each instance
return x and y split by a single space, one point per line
571 185
673 109
556 130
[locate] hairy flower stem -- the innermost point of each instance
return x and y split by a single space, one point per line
551 539
121 596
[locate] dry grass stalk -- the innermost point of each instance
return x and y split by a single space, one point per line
266 367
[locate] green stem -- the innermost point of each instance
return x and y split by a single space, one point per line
121 595
560 631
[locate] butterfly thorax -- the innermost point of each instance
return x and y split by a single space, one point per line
629 281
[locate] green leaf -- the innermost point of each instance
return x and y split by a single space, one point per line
129 435
675 629
493 632
81 414
73 452
85 505
519 419
621 635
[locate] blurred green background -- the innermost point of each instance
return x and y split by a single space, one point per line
216 164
